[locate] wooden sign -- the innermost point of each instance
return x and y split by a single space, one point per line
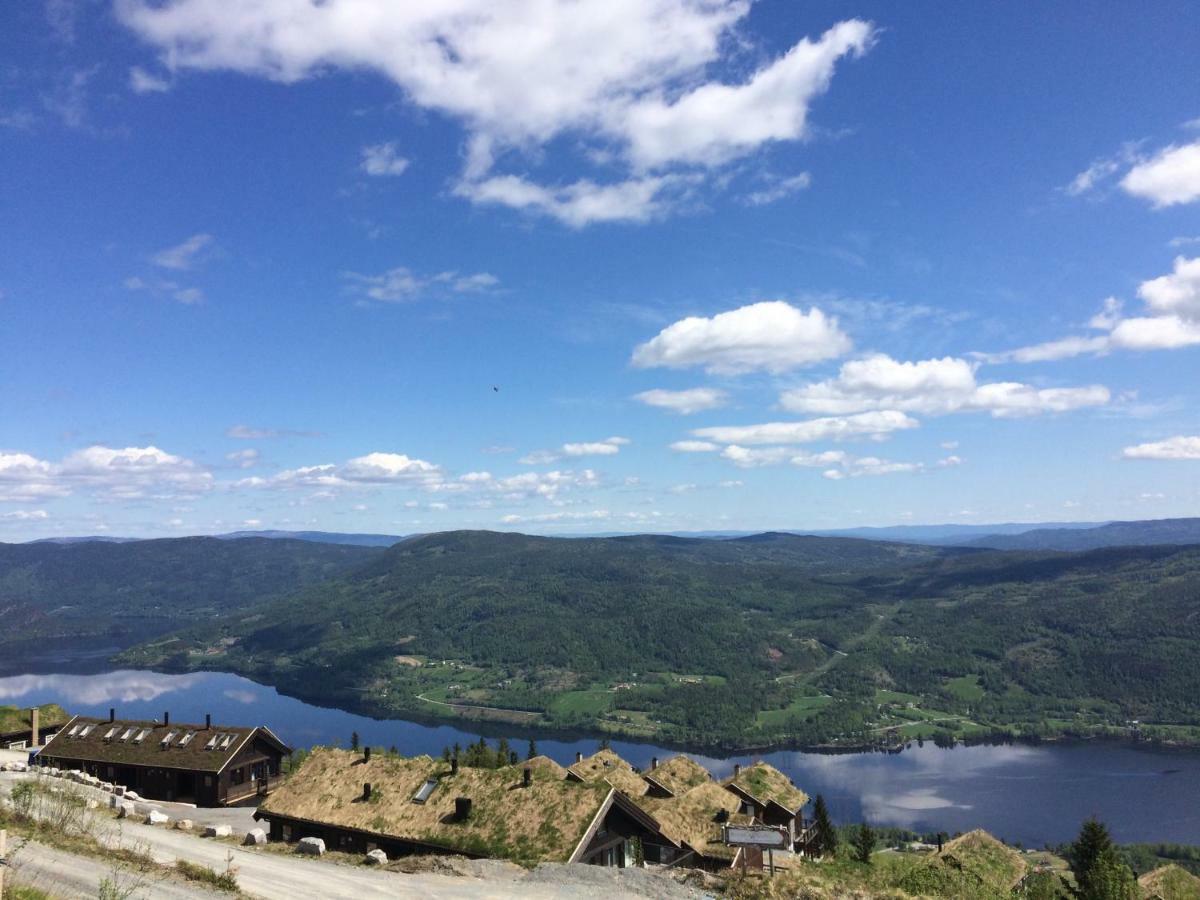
768 837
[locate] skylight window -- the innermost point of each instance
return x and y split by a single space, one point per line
425 790
186 739
141 735
226 742
74 731
108 735
126 735
166 741
212 741
86 730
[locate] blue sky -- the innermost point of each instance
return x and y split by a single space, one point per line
266 268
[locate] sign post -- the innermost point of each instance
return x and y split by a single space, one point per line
762 837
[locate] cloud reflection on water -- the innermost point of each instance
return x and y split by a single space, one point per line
125 685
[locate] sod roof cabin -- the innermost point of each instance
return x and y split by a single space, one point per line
209 765
18 728
973 864
676 776
607 766
529 813
1169 882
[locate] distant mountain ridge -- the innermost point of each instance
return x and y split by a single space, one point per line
1152 532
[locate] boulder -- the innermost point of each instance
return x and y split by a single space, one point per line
132 795
119 790
311 846
184 824
217 831
154 817
126 811
254 837
376 858
114 801
93 804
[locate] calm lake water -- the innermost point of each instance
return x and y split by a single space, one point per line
1034 795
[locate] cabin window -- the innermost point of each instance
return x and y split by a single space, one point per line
208 781
186 739
128 733
86 730
285 831
212 741
74 731
141 735
237 776
108 735
170 736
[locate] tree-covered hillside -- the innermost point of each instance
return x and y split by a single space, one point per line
740 642
1114 534
123 592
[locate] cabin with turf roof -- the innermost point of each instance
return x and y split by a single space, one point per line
770 797
21 729
208 765
529 813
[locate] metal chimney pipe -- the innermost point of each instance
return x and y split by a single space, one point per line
578 756
367 790
208 721
454 765
366 754
112 715
35 736
737 769
167 718
653 763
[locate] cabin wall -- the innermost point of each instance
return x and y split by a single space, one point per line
349 840
251 772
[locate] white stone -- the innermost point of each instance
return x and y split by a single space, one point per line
376 858
184 824
154 817
311 846
132 795
254 837
126 811
119 790
114 801
93 804
217 831
18 767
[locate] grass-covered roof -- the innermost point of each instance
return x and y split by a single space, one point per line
765 783
607 766
692 817
541 823
1170 882
14 719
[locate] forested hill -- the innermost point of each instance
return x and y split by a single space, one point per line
1114 534
741 642
117 591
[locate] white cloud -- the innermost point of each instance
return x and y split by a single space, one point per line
402 285
143 82
383 159
165 287
371 469
835 428
24 478
1177 293
607 447
1183 241
1063 348
771 336
243 459
1103 169
25 515
686 402
695 447
134 473
253 433
777 190
1155 333
183 255
933 387
1169 178
1178 447
627 80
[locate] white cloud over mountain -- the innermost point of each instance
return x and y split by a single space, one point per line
629 77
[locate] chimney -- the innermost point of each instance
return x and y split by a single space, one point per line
167 718
366 791
578 756
35 737
737 769
527 777
208 721
112 715
454 765
462 808
653 763
366 754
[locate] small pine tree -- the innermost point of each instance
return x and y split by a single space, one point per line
826 834
864 843
1093 842
533 751
1108 878
354 740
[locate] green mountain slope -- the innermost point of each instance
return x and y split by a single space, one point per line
118 593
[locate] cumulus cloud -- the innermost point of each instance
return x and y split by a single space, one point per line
1178 447
383 159
255 433
607 447
832 428
695 447
183 255
1169 178
1173 301
771 336
630 79
686 402
25 515
24 478
402 285
933 387
104 472
243 459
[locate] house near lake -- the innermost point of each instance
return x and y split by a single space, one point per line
208 765
599 811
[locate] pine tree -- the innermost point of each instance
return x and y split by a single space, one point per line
354 740
826 834
864 843
1108 878
533 751
1093 842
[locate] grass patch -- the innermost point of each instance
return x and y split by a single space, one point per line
590 703
965 688
221 881
799 708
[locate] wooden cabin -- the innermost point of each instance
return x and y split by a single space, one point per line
208 765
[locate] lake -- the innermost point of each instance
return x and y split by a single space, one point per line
1029 794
